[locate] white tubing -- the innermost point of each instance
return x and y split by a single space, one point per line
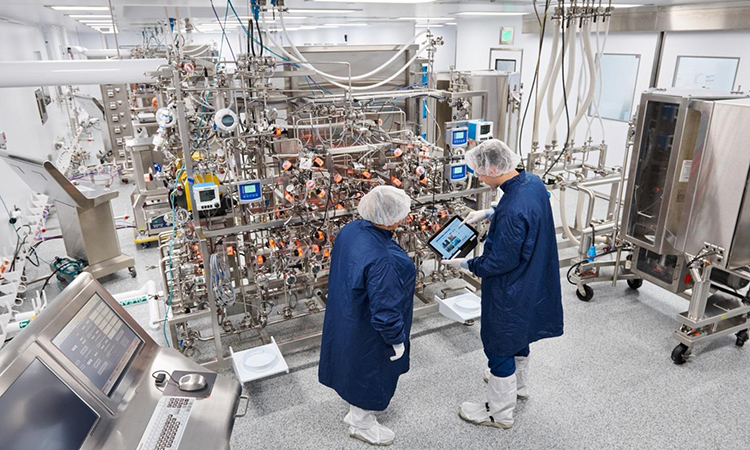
303 61
564 219
586 37
99 53
571 54
357 77
553 82
78 72
545 85
598 99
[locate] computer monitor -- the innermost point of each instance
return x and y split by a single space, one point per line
38 411
99 343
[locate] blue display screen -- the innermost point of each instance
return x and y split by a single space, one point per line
458 172
459 137
250 192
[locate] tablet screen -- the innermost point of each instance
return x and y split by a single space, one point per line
454 239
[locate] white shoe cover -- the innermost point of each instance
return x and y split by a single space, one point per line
501 402
522 377
364 426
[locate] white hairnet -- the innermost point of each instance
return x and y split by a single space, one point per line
492 158
385 205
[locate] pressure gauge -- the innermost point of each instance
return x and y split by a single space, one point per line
165 117
226 120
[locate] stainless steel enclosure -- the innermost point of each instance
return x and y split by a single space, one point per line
717 204
502 102
671 128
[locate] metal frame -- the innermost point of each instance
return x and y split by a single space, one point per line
679 57
635 87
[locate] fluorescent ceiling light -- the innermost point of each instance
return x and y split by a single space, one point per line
322 11
375 1
89 16
80 8
268 18
95 21
451 23
424 19
614 5
420 25
347 24
491 13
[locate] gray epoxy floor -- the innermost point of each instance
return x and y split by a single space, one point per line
607 383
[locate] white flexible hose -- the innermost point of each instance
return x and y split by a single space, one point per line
545 84
598 99
336 77
588 75
553 81
597 63
571 54
586 36
564 219
301 59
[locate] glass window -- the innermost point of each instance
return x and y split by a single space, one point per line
616 86
705 72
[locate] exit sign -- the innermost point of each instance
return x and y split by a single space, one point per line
506 36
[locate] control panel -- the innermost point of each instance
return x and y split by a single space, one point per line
456 172
458 137
206 196
249 192
480 130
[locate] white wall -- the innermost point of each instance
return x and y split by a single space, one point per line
19 116
706 43
477 36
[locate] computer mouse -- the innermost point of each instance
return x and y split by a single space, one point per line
192 382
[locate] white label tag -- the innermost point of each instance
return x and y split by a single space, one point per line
687 165
305 163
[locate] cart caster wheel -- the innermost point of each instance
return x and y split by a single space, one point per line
132 271
635 284
587 296
124 181
742 337
680 354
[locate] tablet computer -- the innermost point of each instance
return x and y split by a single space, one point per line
455 239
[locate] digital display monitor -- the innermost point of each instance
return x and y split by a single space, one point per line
454 239
249 189
206 195
459 136
99 343
38 411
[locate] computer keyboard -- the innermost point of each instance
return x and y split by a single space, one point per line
167 424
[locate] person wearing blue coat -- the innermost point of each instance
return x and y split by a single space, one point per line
365 343
520 271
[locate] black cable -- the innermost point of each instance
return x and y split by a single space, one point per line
249 42
536 75
260 37
565 93
585 261
252 36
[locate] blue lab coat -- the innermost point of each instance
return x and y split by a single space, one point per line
520 271
369 309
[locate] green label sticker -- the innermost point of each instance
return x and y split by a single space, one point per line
133 301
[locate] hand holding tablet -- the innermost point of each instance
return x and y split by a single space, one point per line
455 239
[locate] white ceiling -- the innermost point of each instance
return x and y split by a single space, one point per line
133 15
